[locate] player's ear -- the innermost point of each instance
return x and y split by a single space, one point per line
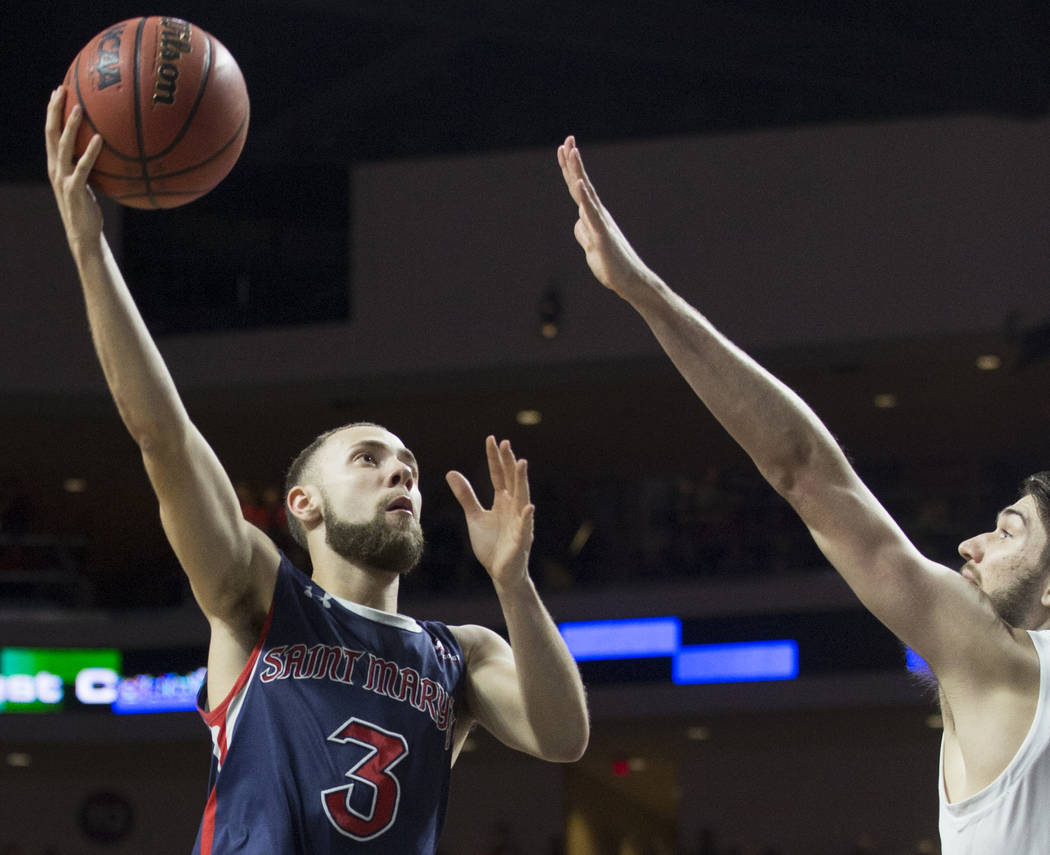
304 504
1045 598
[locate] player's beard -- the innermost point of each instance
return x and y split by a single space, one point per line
1014 603
376 544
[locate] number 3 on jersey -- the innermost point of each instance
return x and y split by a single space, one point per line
386 750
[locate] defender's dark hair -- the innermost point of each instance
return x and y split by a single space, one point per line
299 471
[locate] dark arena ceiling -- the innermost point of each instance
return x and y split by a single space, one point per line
333 81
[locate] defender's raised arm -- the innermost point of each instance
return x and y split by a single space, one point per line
919 600
983 631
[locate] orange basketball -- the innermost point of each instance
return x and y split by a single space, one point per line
170 103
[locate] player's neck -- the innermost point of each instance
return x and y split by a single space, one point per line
342 578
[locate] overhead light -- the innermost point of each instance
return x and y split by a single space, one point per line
529 417
19 759
698 733
550 313
637 764
989 362
579 540
885 401
74 485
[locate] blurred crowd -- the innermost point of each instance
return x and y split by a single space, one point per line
589 532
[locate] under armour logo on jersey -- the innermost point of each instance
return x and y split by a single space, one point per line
326 600
443 653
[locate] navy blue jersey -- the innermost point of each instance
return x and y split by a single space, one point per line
337 737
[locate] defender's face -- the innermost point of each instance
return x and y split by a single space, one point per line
366 472
1006 563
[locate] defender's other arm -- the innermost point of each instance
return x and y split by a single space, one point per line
527 693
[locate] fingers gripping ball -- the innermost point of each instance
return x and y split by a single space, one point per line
170 103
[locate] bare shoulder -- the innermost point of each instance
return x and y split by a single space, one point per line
950 621
479 642
989 690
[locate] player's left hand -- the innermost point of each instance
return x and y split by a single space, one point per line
502 535
81 215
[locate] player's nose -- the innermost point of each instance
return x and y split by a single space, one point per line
401 474
971 549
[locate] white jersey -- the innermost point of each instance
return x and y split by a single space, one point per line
1011 816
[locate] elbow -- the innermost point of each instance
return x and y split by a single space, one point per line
155 436
577 750
574 751
157 442
788 475
154 425
803 468
570 745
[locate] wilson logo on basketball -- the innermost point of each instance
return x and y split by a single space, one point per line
170 104
174 42
108 63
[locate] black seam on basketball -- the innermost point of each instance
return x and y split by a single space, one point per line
137 108
122 156
155 194
185 169
206 73
160 194
146 158
117 175
85 115
207 160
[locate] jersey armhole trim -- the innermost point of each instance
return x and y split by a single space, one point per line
213 717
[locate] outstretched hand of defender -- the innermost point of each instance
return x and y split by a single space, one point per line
81 215
501 536
611 258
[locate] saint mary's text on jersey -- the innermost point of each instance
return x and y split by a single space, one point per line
381 676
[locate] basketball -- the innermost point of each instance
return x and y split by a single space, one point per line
170 103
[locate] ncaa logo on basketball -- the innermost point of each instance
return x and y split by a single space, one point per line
108 63
174 42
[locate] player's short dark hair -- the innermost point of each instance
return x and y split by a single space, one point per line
1037 486
299 471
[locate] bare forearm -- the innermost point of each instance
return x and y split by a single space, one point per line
134 370
551 688
791 447
772 424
